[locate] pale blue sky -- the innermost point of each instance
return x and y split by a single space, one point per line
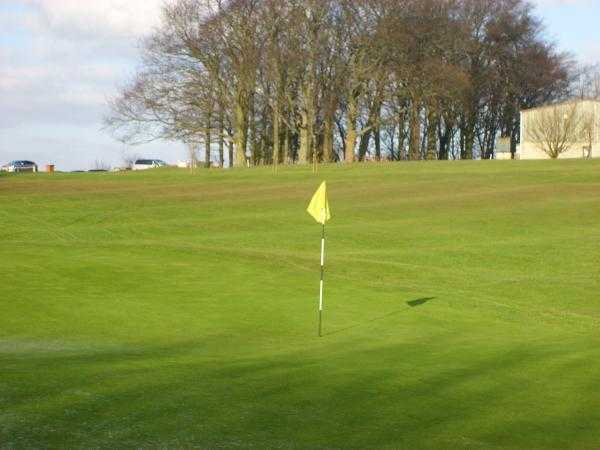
61 59
574 25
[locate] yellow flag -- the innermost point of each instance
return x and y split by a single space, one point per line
319 205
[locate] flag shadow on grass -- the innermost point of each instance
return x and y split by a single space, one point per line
419 301
412 303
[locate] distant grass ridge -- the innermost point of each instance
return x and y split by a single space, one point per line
169 310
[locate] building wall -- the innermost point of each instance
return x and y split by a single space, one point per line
532 150
504 155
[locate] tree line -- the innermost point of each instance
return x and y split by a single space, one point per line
307 81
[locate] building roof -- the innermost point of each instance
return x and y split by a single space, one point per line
565 102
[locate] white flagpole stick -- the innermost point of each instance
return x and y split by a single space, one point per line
321 283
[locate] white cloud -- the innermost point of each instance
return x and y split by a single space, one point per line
55 82
590 53
114 19
65 58
75 53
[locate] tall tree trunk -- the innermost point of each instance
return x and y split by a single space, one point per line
308 114
303 150
363 146
286 145
414 151
351 133
328 136
490 142
254 141
221 139
231 153
469 143
468 136
444 138
376 118
350 143
432 126
377 135
241 131
207 142
514 136
371 125
276 121
401 134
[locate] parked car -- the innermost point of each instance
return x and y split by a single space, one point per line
143 164
20 166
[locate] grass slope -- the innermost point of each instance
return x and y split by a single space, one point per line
165 310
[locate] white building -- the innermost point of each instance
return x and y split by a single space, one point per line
573 118
503 149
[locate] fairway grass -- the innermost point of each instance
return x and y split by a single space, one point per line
169 310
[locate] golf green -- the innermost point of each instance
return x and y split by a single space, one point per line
165 309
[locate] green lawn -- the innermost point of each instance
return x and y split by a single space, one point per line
170 310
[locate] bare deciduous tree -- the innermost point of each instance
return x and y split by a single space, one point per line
129 159
100 165
555 129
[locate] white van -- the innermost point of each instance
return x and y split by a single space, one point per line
144 164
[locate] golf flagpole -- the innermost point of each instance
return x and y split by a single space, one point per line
322 273
319 210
